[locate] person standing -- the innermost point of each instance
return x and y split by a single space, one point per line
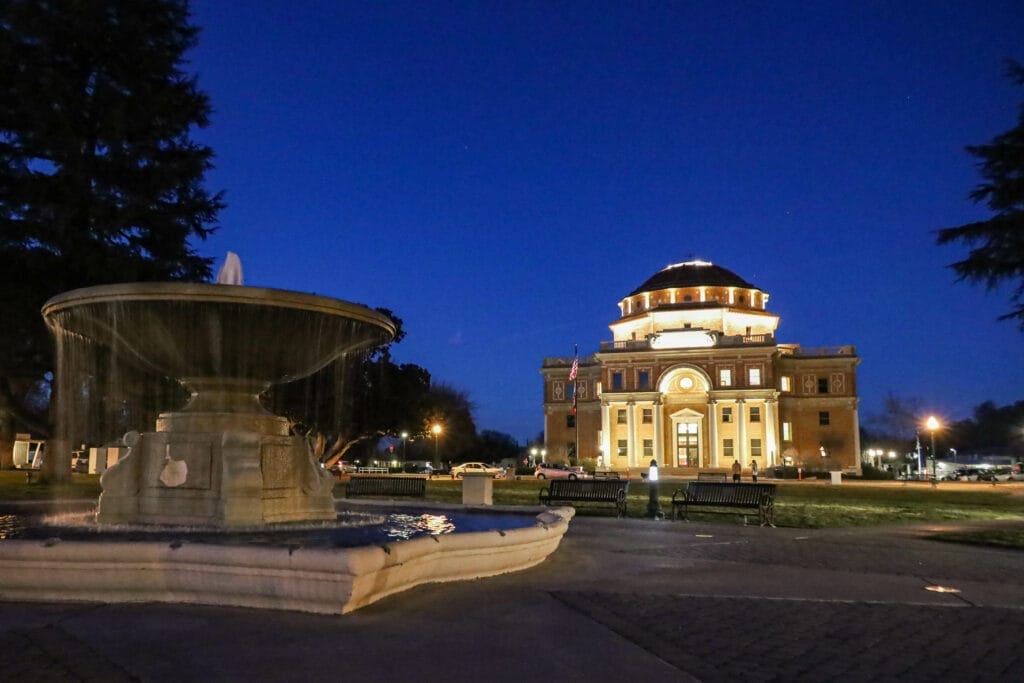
736 471
753 470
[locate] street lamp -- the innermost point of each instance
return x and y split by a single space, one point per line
533 455
436 430
932 424
405 437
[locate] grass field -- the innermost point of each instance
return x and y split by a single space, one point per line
807 505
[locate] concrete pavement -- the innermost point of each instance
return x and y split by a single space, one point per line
620 599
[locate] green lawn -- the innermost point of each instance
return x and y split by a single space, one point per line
14 485
801 505
805 505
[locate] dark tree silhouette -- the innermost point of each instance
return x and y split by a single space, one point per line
100 181
997 245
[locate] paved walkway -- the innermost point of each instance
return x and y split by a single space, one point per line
620 600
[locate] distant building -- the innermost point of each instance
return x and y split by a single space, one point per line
694 378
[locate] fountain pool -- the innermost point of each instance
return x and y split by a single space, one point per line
306 568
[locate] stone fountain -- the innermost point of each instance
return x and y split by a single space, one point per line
222 460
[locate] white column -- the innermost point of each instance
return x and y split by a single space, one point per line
741 430
856 433
606 434
659 436
713 433
631 433
771 435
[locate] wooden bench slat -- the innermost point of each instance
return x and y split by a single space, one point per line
760 497
386 486
587 491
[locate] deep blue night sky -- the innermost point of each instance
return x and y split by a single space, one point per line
501 174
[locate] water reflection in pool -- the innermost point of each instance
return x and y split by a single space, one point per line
352 529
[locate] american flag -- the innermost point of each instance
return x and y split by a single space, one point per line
575 368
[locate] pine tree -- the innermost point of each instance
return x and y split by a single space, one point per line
997 244
100 181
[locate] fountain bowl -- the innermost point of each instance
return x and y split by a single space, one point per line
210 335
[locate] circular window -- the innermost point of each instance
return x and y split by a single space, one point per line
686 383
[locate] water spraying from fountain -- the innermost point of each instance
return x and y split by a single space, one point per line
231 272
198 356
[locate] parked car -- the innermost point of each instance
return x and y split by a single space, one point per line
1017 472
967 474
476 468
342 467
552 470
1001 473
79 461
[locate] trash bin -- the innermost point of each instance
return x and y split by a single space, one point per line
837 478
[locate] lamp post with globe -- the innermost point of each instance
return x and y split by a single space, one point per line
436 430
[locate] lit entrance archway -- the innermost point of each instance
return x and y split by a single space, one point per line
689 443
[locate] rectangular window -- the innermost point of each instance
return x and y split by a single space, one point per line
727 448
726 414
755 448
648 448
621 450
787 431
570 421
620 416
754 376
616 381
823 385
755 413
725 377
643 379
647 417
786 383
823 418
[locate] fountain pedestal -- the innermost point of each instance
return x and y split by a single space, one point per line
215 469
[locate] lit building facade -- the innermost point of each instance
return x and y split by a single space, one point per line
694 378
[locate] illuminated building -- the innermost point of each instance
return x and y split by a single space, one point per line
695 378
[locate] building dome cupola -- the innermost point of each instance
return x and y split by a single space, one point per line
692 274
694 284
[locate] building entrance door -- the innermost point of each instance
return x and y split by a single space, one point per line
687 444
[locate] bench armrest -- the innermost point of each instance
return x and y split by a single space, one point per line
679 495
543 493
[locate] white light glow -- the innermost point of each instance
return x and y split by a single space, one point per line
688 263
683 339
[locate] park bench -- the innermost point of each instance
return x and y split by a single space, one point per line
573 491
759 497
712 476
386 486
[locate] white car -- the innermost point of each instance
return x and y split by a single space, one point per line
476 468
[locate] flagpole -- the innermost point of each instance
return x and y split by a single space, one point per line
575 395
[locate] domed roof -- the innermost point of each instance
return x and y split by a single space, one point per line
692 274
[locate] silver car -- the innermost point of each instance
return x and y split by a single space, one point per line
551 470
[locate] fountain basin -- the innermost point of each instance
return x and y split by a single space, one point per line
317 580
